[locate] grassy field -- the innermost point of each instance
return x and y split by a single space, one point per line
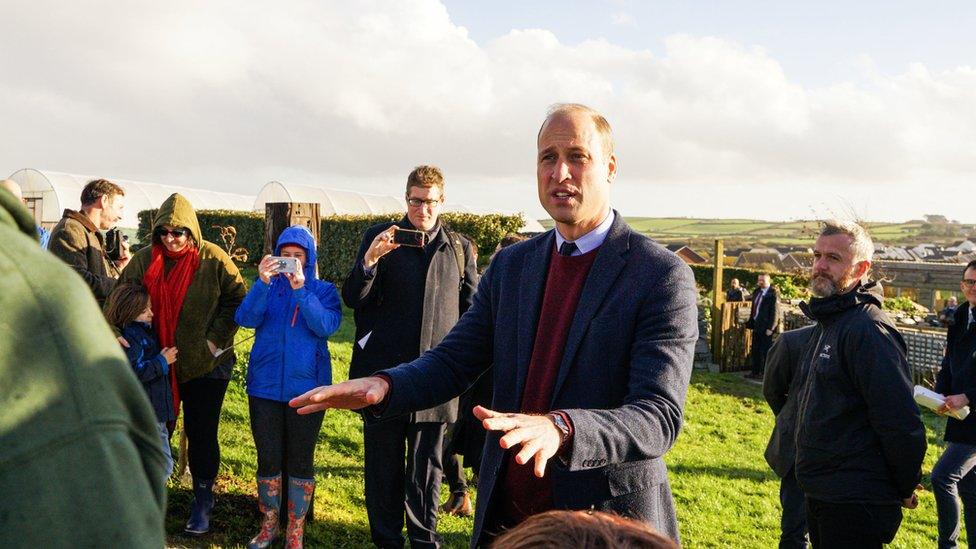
750 232
725 493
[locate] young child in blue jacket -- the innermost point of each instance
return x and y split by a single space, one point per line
293 316
128 308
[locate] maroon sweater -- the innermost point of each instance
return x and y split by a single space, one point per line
520 493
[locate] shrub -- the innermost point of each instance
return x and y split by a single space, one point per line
339 235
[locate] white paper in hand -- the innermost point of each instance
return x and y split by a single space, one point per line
933 401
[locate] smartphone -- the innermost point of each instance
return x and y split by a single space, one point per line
285 264
407 237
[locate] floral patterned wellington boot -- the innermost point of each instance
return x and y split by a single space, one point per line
299 498
269 503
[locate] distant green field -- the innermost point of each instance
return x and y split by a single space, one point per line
700 233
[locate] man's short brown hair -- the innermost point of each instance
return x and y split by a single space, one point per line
594 529
97 188
427 177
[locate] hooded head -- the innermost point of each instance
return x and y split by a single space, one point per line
298 235
176 211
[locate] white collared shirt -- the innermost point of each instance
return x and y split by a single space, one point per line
591 240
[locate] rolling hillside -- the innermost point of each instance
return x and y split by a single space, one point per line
700 233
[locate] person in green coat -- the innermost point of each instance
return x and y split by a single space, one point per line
81 464
195 289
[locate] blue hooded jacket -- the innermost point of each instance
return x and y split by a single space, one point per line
290 354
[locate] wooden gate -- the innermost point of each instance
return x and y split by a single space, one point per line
736 338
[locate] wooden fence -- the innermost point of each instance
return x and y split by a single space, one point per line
736 338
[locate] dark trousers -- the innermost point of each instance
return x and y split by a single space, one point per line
954 478
453 471
793 522
760 348
202 399
851 525
392 484
281 433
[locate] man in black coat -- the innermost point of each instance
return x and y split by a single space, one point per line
955 473
781 385
591 328
859 439
405 300
735 291
763 321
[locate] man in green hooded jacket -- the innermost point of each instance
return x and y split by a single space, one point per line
80 460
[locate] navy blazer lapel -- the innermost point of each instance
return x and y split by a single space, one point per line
606 268
535 270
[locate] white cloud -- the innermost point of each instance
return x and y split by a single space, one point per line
623 19
231 94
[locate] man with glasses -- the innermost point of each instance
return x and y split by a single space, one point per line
77 239
954 476
405 299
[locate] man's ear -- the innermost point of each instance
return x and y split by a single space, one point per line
861 269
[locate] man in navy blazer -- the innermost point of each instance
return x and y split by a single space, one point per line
590 372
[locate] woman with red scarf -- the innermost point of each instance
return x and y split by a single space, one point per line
195 290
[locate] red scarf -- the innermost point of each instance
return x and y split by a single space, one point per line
167 291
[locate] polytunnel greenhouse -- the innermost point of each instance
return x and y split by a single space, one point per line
47 194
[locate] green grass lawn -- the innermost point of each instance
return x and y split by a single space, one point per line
726 495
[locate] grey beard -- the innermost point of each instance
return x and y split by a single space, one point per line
821 286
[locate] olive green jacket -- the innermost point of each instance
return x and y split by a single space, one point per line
211 300
78 242
81 463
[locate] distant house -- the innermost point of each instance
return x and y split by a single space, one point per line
689 256
759 259
964 247
785 250
798 261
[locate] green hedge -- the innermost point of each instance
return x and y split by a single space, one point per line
790 285
340 235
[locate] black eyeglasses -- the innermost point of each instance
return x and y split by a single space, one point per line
969 283
416 202
177 233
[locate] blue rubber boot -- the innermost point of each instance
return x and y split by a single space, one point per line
203 502
299 499
269 502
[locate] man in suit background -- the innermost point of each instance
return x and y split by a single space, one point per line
783 379
763 321
591 328
405 299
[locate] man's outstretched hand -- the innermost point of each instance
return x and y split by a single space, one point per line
348 395
538 435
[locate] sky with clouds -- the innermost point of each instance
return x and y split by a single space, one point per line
719 109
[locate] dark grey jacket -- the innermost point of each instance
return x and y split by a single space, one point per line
413 298
781 383
622 379
859 437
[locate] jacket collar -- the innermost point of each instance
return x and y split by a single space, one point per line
80 217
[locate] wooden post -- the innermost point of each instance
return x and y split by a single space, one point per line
718 299
278 216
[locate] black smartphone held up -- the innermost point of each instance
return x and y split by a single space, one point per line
407 237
